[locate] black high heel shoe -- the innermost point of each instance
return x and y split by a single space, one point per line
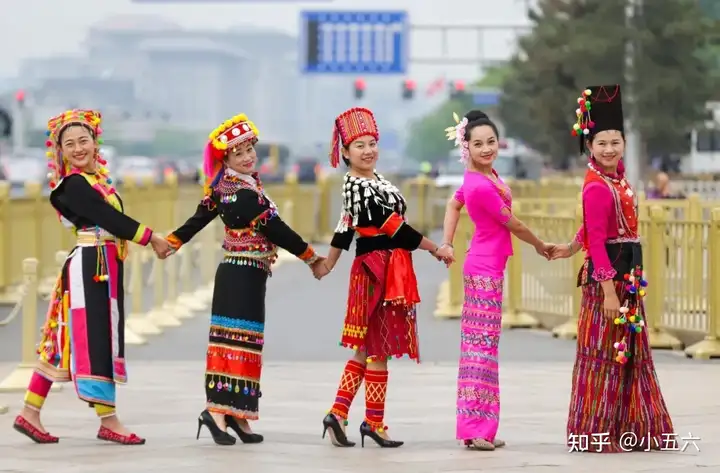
245 437
366 430
219 436
337 435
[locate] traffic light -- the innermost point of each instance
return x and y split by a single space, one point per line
457 89
20 98
409 87
359 88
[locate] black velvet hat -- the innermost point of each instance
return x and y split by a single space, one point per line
599 109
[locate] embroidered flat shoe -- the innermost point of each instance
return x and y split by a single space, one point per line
109 436
32 432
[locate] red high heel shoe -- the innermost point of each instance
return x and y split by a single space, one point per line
32 432
109 436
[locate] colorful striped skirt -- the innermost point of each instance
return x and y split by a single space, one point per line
478 387
84 333
611 402
382 329
237 327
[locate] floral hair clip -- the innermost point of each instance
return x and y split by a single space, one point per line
457 133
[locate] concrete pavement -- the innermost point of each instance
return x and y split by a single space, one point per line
163 400
303 363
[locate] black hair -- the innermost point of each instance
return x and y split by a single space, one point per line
477 118
83 125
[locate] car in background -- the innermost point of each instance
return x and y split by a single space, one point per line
405 169
306 170
450 174
18 170
138 168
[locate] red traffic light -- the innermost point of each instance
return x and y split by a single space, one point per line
360 84
410 84
20 95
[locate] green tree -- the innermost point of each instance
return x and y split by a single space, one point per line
674 72
571 45
574 44
427 140
427 137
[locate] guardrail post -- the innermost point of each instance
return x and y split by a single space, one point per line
137 321
187 283
512 316
451 293
656 268
18 380
172 304
158 314
208 260
324 233
569 330
710 346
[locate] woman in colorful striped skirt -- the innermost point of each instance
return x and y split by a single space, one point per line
83 336
616 404
380 319
253 233
489 204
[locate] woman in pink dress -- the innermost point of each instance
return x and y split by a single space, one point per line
489 205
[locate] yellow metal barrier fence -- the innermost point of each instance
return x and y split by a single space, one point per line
681 241
681 244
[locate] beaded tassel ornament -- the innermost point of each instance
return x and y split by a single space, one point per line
630 311
584 122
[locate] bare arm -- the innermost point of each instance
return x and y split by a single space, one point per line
333 257
520 230
452 215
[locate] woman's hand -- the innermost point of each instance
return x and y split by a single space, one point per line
320 268
161 246
545 249
560 252
446 254
611 306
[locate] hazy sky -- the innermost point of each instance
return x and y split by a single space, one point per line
37 28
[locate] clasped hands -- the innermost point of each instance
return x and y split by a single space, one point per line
160 246
320 268
553 251
549 251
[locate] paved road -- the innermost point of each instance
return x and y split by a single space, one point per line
163 399
301 371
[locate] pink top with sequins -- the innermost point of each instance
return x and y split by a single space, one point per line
490 207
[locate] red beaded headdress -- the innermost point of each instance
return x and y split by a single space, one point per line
349 126
231 132
60 167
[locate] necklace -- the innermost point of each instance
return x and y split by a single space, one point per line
622 181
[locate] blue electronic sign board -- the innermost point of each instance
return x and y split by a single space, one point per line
354 42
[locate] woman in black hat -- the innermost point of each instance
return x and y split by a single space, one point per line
616 404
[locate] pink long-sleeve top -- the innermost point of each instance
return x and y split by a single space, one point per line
601 222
